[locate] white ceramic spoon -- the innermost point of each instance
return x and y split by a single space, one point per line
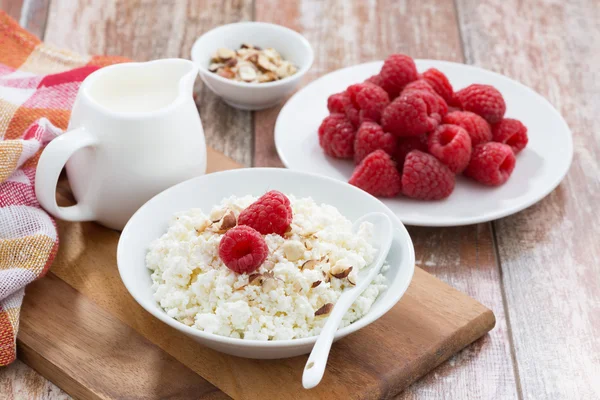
383 234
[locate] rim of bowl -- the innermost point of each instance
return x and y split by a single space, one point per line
299 74
353 327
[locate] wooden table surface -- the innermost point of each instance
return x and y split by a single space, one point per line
538 270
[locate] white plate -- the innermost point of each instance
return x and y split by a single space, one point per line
151 221
540 166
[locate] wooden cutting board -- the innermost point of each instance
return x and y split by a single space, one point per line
82 330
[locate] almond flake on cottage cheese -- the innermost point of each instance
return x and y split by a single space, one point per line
193 285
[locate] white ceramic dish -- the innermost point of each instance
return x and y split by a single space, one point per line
540 166
151 221
253 96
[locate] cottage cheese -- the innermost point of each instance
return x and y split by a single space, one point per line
193 286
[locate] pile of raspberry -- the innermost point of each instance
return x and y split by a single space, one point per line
411 133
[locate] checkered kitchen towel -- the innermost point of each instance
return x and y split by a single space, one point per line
38 84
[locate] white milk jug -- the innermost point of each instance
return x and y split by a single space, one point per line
134 131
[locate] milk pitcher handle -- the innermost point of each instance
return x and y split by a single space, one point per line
52 161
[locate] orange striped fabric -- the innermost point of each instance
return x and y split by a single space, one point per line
38 84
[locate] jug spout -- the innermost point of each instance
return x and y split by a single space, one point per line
139 88
176 73
184 73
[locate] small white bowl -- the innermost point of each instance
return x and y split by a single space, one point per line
151 221
253 96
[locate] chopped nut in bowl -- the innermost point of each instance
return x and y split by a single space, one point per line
252 65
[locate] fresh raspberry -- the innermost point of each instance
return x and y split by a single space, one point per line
369 99
375 80
476 127
421 84
483 100
353 114
408 144
271 213
412 114
398 70
451 144
511 132
336 136
341 103
243 249
337 102
371 137
491 163
377 175
440 83
424 177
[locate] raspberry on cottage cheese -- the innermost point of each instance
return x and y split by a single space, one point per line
291 293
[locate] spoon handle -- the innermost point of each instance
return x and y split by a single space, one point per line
317 361
315 366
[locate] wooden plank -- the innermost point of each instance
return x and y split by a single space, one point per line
31 14
12 8
19 381
74 349
431 322
549 253
145 30
343 34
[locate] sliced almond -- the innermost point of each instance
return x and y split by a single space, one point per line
245 46
269 284
226 222
264 64
217 213
269 265
315 284
202 227
326 309
310 264
231 62
340 271
247 73
351 281
253 59
308 245
225 54
297 286
269 274
282 71
272 54
226 73
256 279
288 232
267 77
214 67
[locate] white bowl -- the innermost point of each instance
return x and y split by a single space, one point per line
151 221
253 96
